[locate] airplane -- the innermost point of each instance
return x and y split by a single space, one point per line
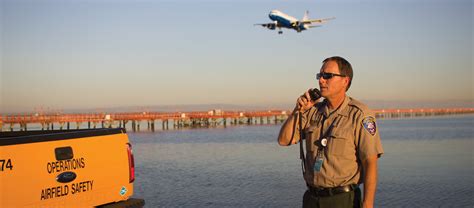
282 20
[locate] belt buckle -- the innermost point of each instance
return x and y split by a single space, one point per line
344 189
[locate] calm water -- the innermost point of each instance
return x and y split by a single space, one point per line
428 162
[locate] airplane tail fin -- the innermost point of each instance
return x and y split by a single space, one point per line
306 16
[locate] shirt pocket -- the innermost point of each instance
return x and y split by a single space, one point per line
311 135
338 144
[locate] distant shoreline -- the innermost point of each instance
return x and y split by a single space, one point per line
373 104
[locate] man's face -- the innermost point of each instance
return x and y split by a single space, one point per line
335 86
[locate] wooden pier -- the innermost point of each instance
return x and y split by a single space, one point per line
416 112
177 120
135 120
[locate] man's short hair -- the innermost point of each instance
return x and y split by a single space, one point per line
344 66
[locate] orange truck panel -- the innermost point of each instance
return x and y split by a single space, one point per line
94 169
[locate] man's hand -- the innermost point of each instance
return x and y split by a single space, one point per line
288 130
304 102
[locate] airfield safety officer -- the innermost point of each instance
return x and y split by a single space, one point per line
341 138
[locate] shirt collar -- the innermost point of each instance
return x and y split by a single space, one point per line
342 110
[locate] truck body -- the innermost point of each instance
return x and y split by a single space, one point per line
73 168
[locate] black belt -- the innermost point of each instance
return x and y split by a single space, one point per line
322 192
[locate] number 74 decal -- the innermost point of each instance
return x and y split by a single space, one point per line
6 164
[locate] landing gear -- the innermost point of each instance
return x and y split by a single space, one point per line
280 32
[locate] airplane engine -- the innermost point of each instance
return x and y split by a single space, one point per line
295 24
271 26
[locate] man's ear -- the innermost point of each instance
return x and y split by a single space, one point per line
346 81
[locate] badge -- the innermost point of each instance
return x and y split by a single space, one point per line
369 125
319 161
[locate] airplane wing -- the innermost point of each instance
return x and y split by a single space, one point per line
270 26
266 24
317 20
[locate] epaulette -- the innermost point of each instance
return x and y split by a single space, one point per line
359 105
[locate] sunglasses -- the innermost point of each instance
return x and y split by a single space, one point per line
327 76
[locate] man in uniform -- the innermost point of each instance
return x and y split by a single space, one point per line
342 141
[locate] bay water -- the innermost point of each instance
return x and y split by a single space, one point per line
428 162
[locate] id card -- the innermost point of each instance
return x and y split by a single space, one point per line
318 163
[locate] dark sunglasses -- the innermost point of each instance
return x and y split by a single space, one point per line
327 76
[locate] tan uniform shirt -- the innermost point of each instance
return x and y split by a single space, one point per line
352 136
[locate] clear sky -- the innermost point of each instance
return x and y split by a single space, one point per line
65 54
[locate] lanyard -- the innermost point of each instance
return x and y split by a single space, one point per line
322 140
302 135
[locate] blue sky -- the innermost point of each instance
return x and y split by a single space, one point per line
101 54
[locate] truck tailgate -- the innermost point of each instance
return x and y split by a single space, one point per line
65 169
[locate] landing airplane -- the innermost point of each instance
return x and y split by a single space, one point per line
282 20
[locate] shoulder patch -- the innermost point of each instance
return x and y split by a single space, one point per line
369 125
